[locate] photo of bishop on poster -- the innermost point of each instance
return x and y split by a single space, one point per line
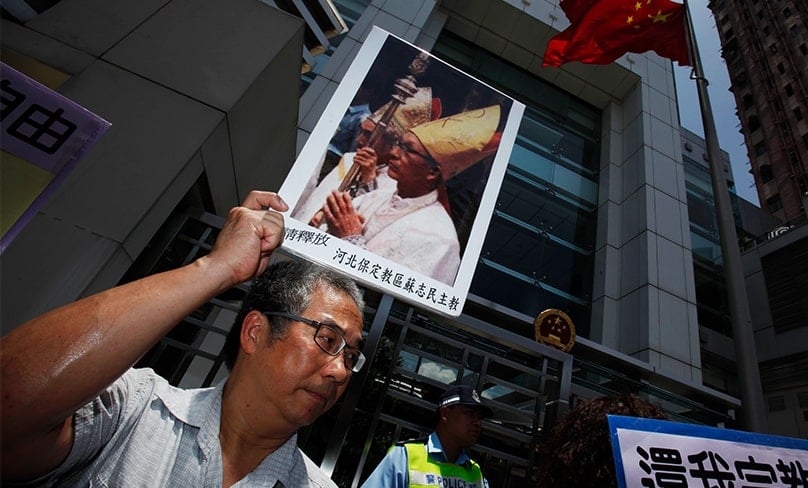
397 182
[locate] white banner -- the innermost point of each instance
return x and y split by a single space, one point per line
658 453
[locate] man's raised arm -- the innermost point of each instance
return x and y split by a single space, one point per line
57 362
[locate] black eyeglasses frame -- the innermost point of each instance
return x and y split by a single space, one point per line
360 358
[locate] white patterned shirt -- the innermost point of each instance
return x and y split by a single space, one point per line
143 432
414 232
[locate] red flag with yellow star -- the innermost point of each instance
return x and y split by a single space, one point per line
603 30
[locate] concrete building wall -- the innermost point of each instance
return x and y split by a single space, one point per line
782 350
189 87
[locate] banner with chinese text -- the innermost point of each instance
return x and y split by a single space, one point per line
44 134
651 452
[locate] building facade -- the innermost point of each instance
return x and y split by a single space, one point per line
765 45
775 277
772 257
207 101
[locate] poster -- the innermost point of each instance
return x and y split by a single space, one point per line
44 135
398 180
659 453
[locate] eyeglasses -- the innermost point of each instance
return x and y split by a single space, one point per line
407 149
330 339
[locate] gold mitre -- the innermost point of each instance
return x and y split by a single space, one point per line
459 141
415 110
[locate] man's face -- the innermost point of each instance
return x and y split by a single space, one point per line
411 165
365 131
382 145
299 381
464 424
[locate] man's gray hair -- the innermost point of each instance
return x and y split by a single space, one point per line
286 286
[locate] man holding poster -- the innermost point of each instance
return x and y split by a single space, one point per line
411 225
76 413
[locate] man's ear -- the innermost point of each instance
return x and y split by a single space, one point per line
252 330
442 413
434 175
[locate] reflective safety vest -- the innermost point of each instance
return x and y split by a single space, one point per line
424 472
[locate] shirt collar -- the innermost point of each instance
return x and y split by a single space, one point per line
194 406
435 448
201 408
398 202
359 108
280 466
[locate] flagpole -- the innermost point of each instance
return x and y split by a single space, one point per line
753 416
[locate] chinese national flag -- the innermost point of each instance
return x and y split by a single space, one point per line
603 30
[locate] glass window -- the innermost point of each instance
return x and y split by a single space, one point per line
351 11
538 251
701 210
22 12
705 246
766 173
802 398
697 176
748 101
774 203
428 368
740 80
712 308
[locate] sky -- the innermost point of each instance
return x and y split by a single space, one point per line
721 99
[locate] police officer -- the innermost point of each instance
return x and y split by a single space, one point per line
440 459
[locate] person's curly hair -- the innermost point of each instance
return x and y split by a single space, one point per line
578 451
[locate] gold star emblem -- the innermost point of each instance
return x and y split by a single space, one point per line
555 329
659 17
630 20
637 6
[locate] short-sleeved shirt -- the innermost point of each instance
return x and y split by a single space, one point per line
393 470
141 431
344 139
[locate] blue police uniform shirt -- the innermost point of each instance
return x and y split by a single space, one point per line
393 470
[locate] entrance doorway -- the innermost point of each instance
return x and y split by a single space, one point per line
413 358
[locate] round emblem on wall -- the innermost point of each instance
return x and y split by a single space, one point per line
555 329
